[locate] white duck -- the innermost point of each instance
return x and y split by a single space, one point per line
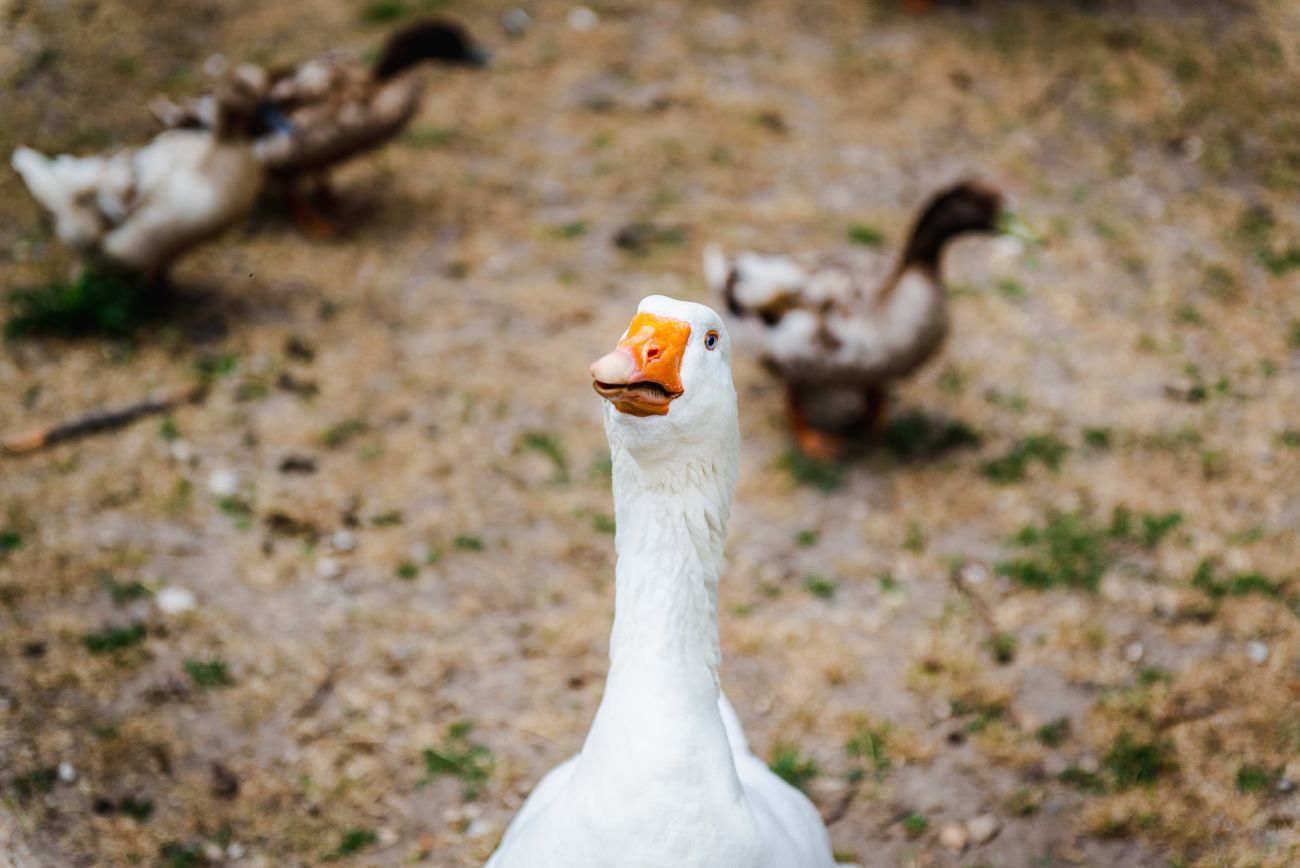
831 326
141 208
665 778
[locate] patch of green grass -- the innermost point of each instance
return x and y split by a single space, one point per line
430 137
458 757
392 518
352 842
815 474
985 715
407 570
1003 647
915 825
792 767
1131 762
604 523
467 543
209 674
819 586
174 854
137 808
864 235
1024 801
1099 438
1012 289
917 435
239 510
1053 734
168 429
1289 438
35 782
915 539
571 230
1047 449
384 11
1153 675
807 538
1090 782
111 639
122 593
10 540
1207 580
1151 528
871 743
341 433
1067 551
209 368
551 446
1257 779
95 302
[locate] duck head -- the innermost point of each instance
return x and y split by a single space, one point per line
429 39
966 207
668 381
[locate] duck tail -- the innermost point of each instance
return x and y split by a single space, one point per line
38 174
721 275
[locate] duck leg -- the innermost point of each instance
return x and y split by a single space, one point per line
306 216
814 443
876 417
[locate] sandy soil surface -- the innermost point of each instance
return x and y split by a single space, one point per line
393 507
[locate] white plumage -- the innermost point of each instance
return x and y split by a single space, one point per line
665 778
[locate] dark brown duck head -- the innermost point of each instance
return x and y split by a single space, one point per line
967 207
428 39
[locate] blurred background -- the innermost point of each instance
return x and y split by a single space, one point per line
354 601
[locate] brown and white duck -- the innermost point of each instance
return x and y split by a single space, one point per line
323 111
847 326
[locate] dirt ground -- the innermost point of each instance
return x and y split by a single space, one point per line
392 509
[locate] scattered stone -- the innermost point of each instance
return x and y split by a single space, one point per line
1088 764
181 451
174 600
480 828
1285 785
343 541
1257 651
213 852
234 851
329 568
223 483
954 836
67 773
582 19
983 828
516 22
1133 652
974 573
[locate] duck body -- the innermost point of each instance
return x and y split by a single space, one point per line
838 330
665 778
141 208
323 111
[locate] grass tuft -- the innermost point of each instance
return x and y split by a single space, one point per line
95 302
792 767
917 435
1047 449
460 758
209 674
814 474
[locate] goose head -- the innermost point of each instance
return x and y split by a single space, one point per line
429 39
667 384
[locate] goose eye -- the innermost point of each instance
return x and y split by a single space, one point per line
711 341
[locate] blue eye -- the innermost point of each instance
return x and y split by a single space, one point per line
711 341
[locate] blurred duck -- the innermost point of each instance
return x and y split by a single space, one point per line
665 776
847 327
139 209
323 111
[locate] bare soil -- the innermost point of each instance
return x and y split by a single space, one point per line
426 375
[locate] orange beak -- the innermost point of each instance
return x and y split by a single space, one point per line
644 373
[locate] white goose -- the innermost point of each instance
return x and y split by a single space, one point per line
666 778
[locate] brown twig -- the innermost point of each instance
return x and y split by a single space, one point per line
98 421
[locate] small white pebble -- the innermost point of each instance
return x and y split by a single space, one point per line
1285 784
1007 249
387 837
173 600
212 852
974 573
954 837
181 451
583 19
343 540
329 568
983 828
67 773
215 65
516 21
1088 764
1258 651
235 851
1133 652
223 483
480 829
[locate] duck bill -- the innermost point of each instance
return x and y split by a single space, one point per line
643 375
